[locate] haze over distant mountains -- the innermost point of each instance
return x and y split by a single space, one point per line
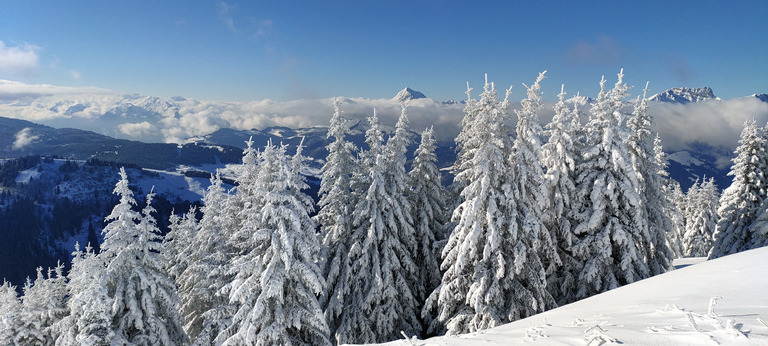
693 120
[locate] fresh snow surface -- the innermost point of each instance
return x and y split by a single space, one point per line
25 176
674 308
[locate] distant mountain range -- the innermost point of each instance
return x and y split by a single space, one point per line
151 118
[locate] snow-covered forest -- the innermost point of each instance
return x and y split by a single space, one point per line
538 216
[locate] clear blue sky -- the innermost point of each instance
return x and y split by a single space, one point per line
283 50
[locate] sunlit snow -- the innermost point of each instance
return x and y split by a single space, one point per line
723 301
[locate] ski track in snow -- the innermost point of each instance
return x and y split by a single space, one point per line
719 302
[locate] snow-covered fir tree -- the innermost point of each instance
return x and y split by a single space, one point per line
612 231
529 204
277 283
43 304
382 303
675 200
10 309
560 156
89 321
143 298
428 199
205 311
334 218
488 266
703 220
641 143
178 243
743 201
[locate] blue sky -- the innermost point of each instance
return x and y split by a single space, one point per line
252 50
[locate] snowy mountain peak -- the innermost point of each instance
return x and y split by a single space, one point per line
685 95
762 97
408 94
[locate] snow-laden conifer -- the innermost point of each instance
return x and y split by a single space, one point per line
205 311
178 243
641 142
488 267
699 229
334 218
276 284
611 231
10 309
530 204
89 321
743 201
381 304
43 304
560 155
143 298
428 199
675 200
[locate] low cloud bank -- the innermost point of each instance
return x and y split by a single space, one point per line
715 123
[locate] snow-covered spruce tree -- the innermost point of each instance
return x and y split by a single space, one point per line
382 303
42 306
178 244
334 218
89 321
10 308
611 231
353 324
641 142
143 298
699 229
204 310
534 241
741 202
428 199
487 265
277 284
675 200
399 219
560 156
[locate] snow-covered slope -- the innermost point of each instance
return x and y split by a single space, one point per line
685 95
669 309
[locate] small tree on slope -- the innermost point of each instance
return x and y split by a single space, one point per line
701 226
741 202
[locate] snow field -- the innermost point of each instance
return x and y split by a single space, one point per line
722 301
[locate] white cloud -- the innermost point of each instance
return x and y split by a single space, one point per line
21 60
76 75
716 123
136 129
224 11
24 138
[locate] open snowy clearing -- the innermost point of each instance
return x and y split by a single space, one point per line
669 309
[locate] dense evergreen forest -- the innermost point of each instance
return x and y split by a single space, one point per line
537 216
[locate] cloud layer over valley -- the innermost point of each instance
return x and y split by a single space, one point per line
150 119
